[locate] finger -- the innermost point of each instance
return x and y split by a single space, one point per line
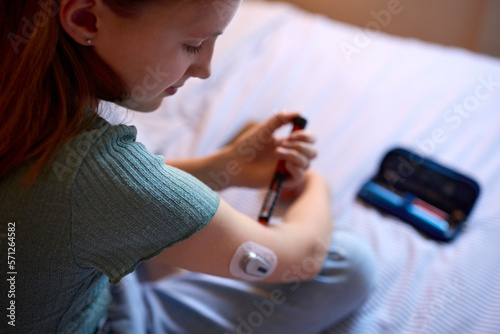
296 175
302 135
293 157
306 149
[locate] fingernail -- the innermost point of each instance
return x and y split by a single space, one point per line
281 150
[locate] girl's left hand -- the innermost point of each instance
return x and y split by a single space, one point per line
256 152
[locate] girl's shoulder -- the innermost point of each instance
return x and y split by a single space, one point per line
96 145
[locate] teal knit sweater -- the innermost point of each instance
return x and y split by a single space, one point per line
100 208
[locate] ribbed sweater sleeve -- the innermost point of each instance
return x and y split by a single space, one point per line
127 205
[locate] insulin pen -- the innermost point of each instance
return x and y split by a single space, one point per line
279 176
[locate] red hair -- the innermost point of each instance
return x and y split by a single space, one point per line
49 85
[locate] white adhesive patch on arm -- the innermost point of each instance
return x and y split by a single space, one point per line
253 262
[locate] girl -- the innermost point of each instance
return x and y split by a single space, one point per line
83 204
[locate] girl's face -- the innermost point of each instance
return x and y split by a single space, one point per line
158 50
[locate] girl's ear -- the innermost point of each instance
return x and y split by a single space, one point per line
78 19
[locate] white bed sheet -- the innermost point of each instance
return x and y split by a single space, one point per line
394 92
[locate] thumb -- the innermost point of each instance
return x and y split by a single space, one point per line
280 119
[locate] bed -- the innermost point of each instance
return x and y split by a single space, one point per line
363 94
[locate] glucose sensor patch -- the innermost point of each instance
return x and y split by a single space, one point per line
253 262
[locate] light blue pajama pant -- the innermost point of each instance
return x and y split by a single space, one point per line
194 303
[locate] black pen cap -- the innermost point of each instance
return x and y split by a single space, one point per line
300 122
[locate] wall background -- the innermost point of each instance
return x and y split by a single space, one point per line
471 24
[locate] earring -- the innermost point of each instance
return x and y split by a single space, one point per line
89 41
